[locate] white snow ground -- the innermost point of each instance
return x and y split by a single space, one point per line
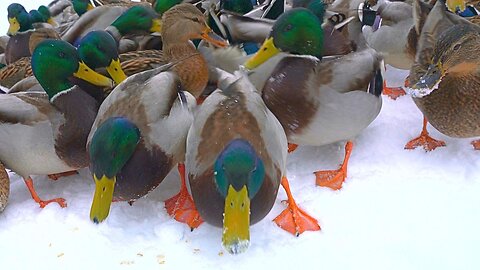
397 210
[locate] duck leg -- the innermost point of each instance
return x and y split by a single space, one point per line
424 140
42 203
181 206
293 219
56 176
335 178
476 144
393 92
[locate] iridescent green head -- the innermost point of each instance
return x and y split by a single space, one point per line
161 6
55 61
82 6
98 49
297 31
47 16
318 7
18 18
238 6
239 175
138 19
35 16
111 147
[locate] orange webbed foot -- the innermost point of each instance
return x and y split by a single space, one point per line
334 178
293 219
181 206
36 198
476 144
57 176
393 92
292 147
428 143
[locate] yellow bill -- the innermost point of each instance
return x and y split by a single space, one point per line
90 6
52 22
156 26
454 4
102 199
267 51
14 26
116 72
91 76
236 221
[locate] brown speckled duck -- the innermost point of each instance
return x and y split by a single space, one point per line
445 81
4 187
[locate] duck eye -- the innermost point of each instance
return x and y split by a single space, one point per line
456 47
288 27
61 54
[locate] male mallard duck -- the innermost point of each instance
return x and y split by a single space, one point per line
59 119
82 6
394 35
234 179
18 18
4 187
97 49
144 122
444 81
118 21
334 99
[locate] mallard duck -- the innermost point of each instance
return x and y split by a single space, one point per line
59 119
4 187
393 34
118 21
82 6
444 78
153 121
334 98
234 179
18 18
97 49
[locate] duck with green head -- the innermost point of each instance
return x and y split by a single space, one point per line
47 16
97 50
82 6
59 119
116 20
146 104
335 98
234 179
18 18
161 6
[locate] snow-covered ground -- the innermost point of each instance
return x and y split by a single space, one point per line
398 209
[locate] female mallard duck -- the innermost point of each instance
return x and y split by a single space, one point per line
234 179
176 45
59 119
144 122
334 99
445 82
4 187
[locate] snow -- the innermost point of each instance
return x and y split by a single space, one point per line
398 209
